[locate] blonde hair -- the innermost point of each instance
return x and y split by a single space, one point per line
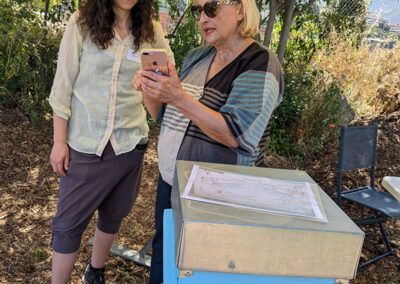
249 25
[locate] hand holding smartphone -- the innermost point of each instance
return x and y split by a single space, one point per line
155 60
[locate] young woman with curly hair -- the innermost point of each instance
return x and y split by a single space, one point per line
100 129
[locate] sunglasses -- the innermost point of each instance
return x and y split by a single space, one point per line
210 8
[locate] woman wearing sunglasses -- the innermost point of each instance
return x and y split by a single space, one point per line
219 107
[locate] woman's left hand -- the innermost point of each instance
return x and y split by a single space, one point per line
166 89
137 81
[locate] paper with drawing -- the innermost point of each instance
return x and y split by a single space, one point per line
251 192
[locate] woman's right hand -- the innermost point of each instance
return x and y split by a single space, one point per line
59 158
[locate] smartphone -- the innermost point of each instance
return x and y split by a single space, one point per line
155 60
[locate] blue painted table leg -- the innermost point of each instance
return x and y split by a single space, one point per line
169 270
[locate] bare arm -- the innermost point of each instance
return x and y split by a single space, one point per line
153 106
211 122
59 157
168 89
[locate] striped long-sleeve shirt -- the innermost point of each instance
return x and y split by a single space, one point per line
245 92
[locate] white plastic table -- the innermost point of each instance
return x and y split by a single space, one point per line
392 185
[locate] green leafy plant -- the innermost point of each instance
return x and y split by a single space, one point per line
184 38
307 117
28 54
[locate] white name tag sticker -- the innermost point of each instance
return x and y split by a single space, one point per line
134 56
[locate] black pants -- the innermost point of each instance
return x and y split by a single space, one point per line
109 184
163 201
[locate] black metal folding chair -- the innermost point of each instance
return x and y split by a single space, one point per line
358 150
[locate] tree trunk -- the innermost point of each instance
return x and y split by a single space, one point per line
287 23
46 10
259 4
273 10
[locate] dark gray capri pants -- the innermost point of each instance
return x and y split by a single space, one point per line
109 184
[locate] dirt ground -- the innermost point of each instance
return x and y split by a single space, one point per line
28 198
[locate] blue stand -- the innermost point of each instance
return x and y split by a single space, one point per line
201 277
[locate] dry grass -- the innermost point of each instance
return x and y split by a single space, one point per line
369 76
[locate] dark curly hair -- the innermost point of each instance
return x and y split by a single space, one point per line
96 19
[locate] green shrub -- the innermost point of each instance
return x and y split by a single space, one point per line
310 112
308 116
307 36
185 38
28 54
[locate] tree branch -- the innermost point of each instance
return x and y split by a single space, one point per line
179 22
304 7
263 21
